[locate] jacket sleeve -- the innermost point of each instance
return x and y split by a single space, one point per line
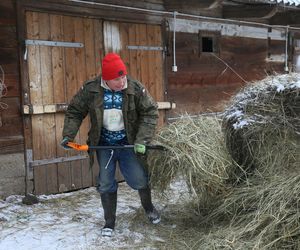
148 116
76 112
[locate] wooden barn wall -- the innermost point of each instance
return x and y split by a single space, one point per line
11 135
198 89
205 82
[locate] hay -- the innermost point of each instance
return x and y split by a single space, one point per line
197 153
262 129
263 215
247 177
262 126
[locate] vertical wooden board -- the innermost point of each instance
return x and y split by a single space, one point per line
125 54
107 37
115 38
34 69
86 172
112 40
58 87
159 64
71 90
159 72
48 142
99 48
132 53
64 171
138 53
151 60
89 44
90 61
144 56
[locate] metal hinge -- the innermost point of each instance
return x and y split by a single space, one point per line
144 47
54 43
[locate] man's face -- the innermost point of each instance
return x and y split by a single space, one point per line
117 84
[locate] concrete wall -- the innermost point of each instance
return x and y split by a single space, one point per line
12 174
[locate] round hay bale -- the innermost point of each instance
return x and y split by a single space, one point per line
262 126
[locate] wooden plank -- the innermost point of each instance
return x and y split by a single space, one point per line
90 60
99 49
124 37
84 10
34 68
145 60
89 44
74 179
11 144
57 59
153 81
8 37
81 76
159 73
7 13
132 53
10 117
48 142
139 56
57 160
99 54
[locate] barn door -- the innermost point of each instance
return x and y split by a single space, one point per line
61 52
141 48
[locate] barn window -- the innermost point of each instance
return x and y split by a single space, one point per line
208 42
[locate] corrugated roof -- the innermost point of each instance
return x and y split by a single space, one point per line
288 2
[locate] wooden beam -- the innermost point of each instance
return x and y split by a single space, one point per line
287 17
62 107
243 12
94 10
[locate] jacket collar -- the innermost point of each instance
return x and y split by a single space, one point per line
105 86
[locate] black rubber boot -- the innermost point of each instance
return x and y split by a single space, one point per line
109 204
152 213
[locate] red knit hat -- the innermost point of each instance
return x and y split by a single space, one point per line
112 67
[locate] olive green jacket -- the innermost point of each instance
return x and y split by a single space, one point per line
139 112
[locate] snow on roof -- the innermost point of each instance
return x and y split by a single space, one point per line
287 2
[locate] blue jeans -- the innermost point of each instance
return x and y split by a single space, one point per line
131 168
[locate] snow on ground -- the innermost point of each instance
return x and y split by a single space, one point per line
74 221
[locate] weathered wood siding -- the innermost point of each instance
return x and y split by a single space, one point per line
11 134
206 81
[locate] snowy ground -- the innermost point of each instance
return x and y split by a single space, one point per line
74 220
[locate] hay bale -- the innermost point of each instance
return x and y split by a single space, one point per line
195 152
262 131
261 144
262 126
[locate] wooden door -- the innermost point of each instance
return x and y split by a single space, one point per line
63 52
141 48
55 73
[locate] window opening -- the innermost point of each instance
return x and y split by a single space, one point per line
207 44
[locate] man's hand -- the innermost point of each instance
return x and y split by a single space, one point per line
139 148
64 143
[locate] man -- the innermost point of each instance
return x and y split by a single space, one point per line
121 112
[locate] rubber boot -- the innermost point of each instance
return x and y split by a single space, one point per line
109 204
152 213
